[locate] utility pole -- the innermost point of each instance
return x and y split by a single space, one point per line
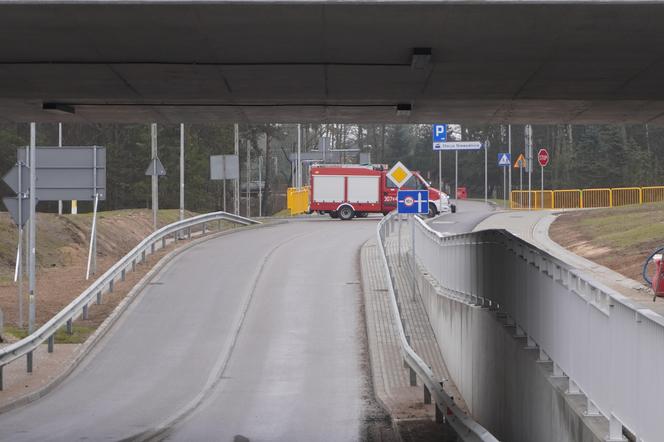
236 182
59 145
32 230
181 171
155 177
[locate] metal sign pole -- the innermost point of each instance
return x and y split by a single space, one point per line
440 171
181 171
413 270
18 274
521 178
542 167
260 191
155 177
486 172
248 180
59 145
236 182
298 179
456 176
509 172
32 293
93 237
399 240
505 186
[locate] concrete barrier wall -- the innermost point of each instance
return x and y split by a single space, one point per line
506 389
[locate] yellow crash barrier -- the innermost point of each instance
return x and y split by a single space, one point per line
626 196
586 198
297 200
597 198
652 194
567 199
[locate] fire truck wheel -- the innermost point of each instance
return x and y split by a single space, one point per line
346 213
432 210
334 214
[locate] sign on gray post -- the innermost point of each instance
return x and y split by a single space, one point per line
11 203
68 173
224 167
11 178
155 168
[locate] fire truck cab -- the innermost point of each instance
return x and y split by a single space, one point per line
347 191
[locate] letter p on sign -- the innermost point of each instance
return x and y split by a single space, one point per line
440 132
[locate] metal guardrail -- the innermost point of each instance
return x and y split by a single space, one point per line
607 345
94 292
585 198
463 424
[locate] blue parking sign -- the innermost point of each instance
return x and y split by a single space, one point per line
439 133
413 201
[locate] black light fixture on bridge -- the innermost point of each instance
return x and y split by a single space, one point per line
421 58
403 109
59 108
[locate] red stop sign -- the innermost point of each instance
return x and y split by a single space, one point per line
543 157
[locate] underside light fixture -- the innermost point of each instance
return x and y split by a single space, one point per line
421 58
403 109
59 108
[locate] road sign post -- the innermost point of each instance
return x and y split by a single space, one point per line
509 172
504 162
487 144
543 159
528 133
439 136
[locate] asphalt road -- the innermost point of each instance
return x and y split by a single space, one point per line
251 336
469 214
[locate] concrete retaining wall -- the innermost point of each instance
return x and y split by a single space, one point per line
507 390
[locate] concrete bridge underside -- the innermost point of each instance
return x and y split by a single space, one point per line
341 61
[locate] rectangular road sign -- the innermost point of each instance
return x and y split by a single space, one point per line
66 173
439 133
458 145
413 201
224 167
504 159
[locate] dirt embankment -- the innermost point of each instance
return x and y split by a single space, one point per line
619 238
62 251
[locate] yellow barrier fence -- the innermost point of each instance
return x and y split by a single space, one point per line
586 198
521 199
297 200
567 199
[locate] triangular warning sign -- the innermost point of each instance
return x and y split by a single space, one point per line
155 168
520 162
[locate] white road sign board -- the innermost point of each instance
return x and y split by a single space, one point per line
458 145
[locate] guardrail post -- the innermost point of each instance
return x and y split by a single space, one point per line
51 343
427 395
189 233
70 326
163 242
29 359
111 285
133 265
2 382
143 256
204 228
440 417
99 297
152 249
85 311
413 377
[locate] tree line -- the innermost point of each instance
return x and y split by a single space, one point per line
582 156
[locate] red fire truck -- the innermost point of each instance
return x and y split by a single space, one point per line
347 191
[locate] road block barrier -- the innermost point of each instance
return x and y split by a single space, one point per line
297 200
586 198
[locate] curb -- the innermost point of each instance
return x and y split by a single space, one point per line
107 324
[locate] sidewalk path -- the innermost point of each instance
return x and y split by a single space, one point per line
534 228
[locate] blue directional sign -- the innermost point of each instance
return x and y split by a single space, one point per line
413 201
439 133
504 160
